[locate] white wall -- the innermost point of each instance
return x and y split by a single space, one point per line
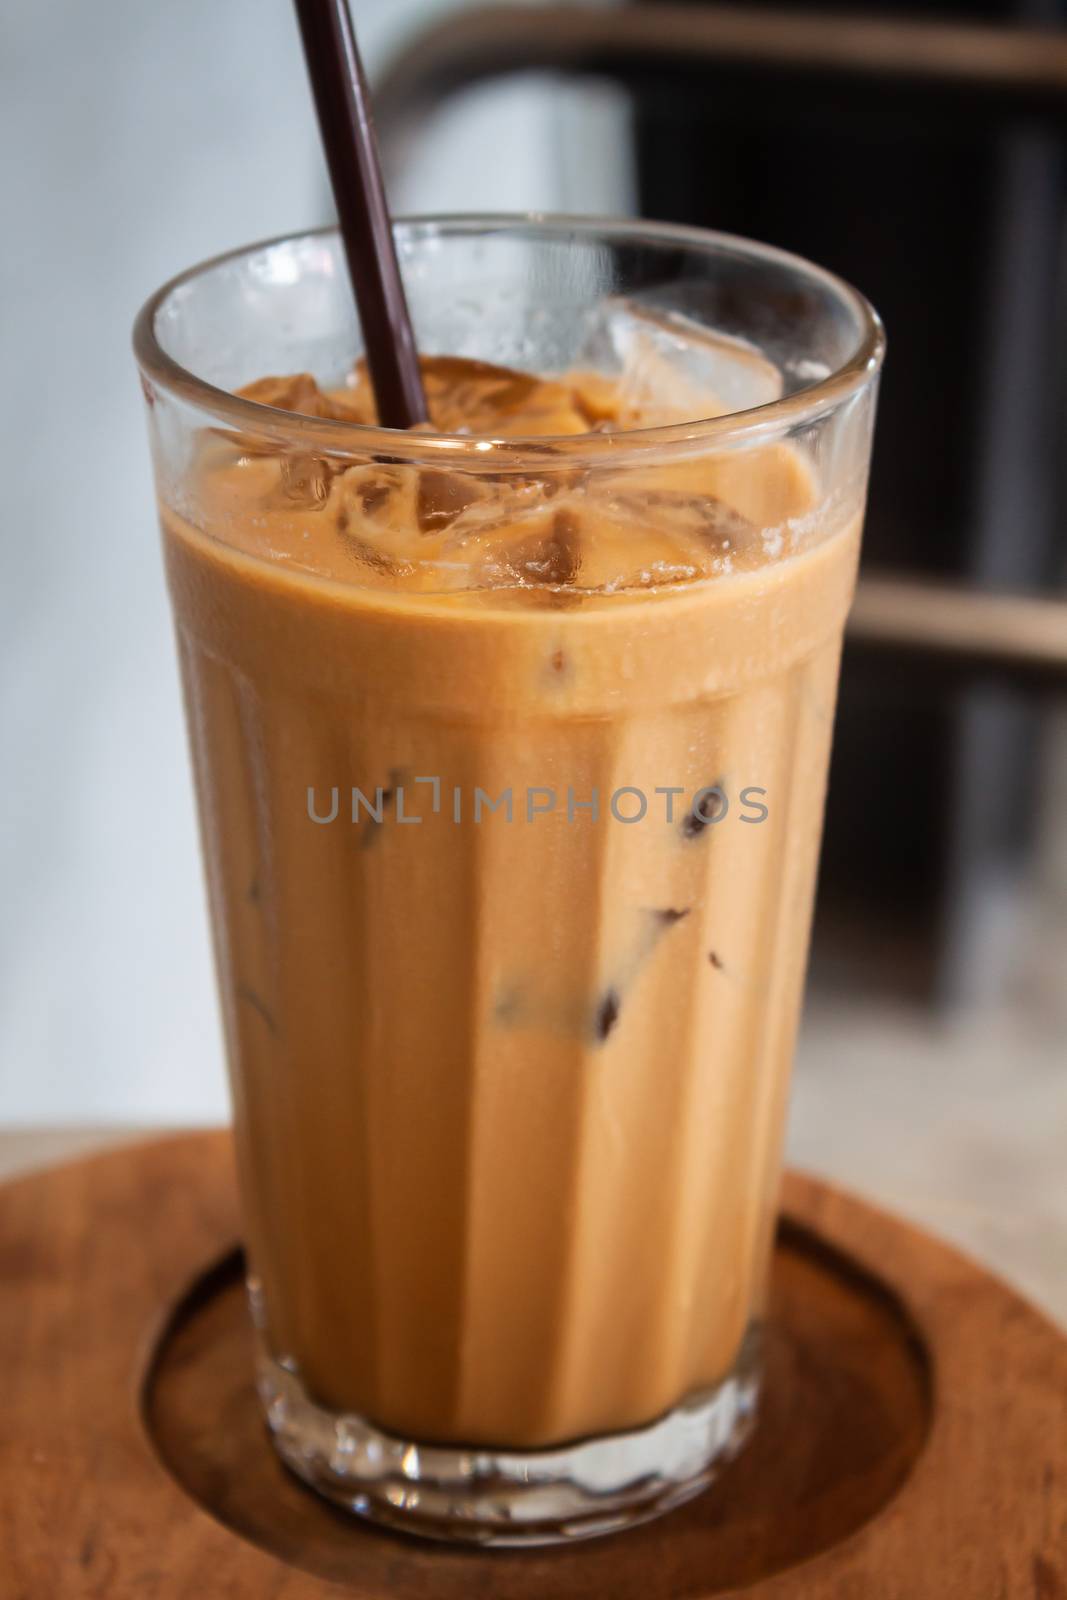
135 138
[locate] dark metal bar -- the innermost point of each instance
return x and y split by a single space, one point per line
1004 70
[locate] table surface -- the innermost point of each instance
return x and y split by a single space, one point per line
1024 1243
967 1469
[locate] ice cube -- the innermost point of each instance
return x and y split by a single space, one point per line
304 481
475 397
764 487
302 395
443 496
298 393
377 499
551 555
685 518
671 368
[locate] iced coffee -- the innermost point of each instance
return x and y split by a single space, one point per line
510 752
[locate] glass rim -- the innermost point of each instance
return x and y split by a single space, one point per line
359 439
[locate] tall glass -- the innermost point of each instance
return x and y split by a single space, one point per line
511 868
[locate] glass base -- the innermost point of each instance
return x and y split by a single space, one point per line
507 1498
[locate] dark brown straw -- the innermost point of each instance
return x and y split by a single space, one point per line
342 101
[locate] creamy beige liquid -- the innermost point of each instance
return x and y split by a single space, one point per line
509 1095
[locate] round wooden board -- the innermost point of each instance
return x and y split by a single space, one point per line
912 1444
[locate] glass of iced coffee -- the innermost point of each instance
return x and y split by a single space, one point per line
510 737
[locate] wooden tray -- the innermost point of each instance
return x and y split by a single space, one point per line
912 1444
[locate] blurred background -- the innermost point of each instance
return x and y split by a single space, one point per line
919 158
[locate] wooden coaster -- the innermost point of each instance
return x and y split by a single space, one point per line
912 1442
